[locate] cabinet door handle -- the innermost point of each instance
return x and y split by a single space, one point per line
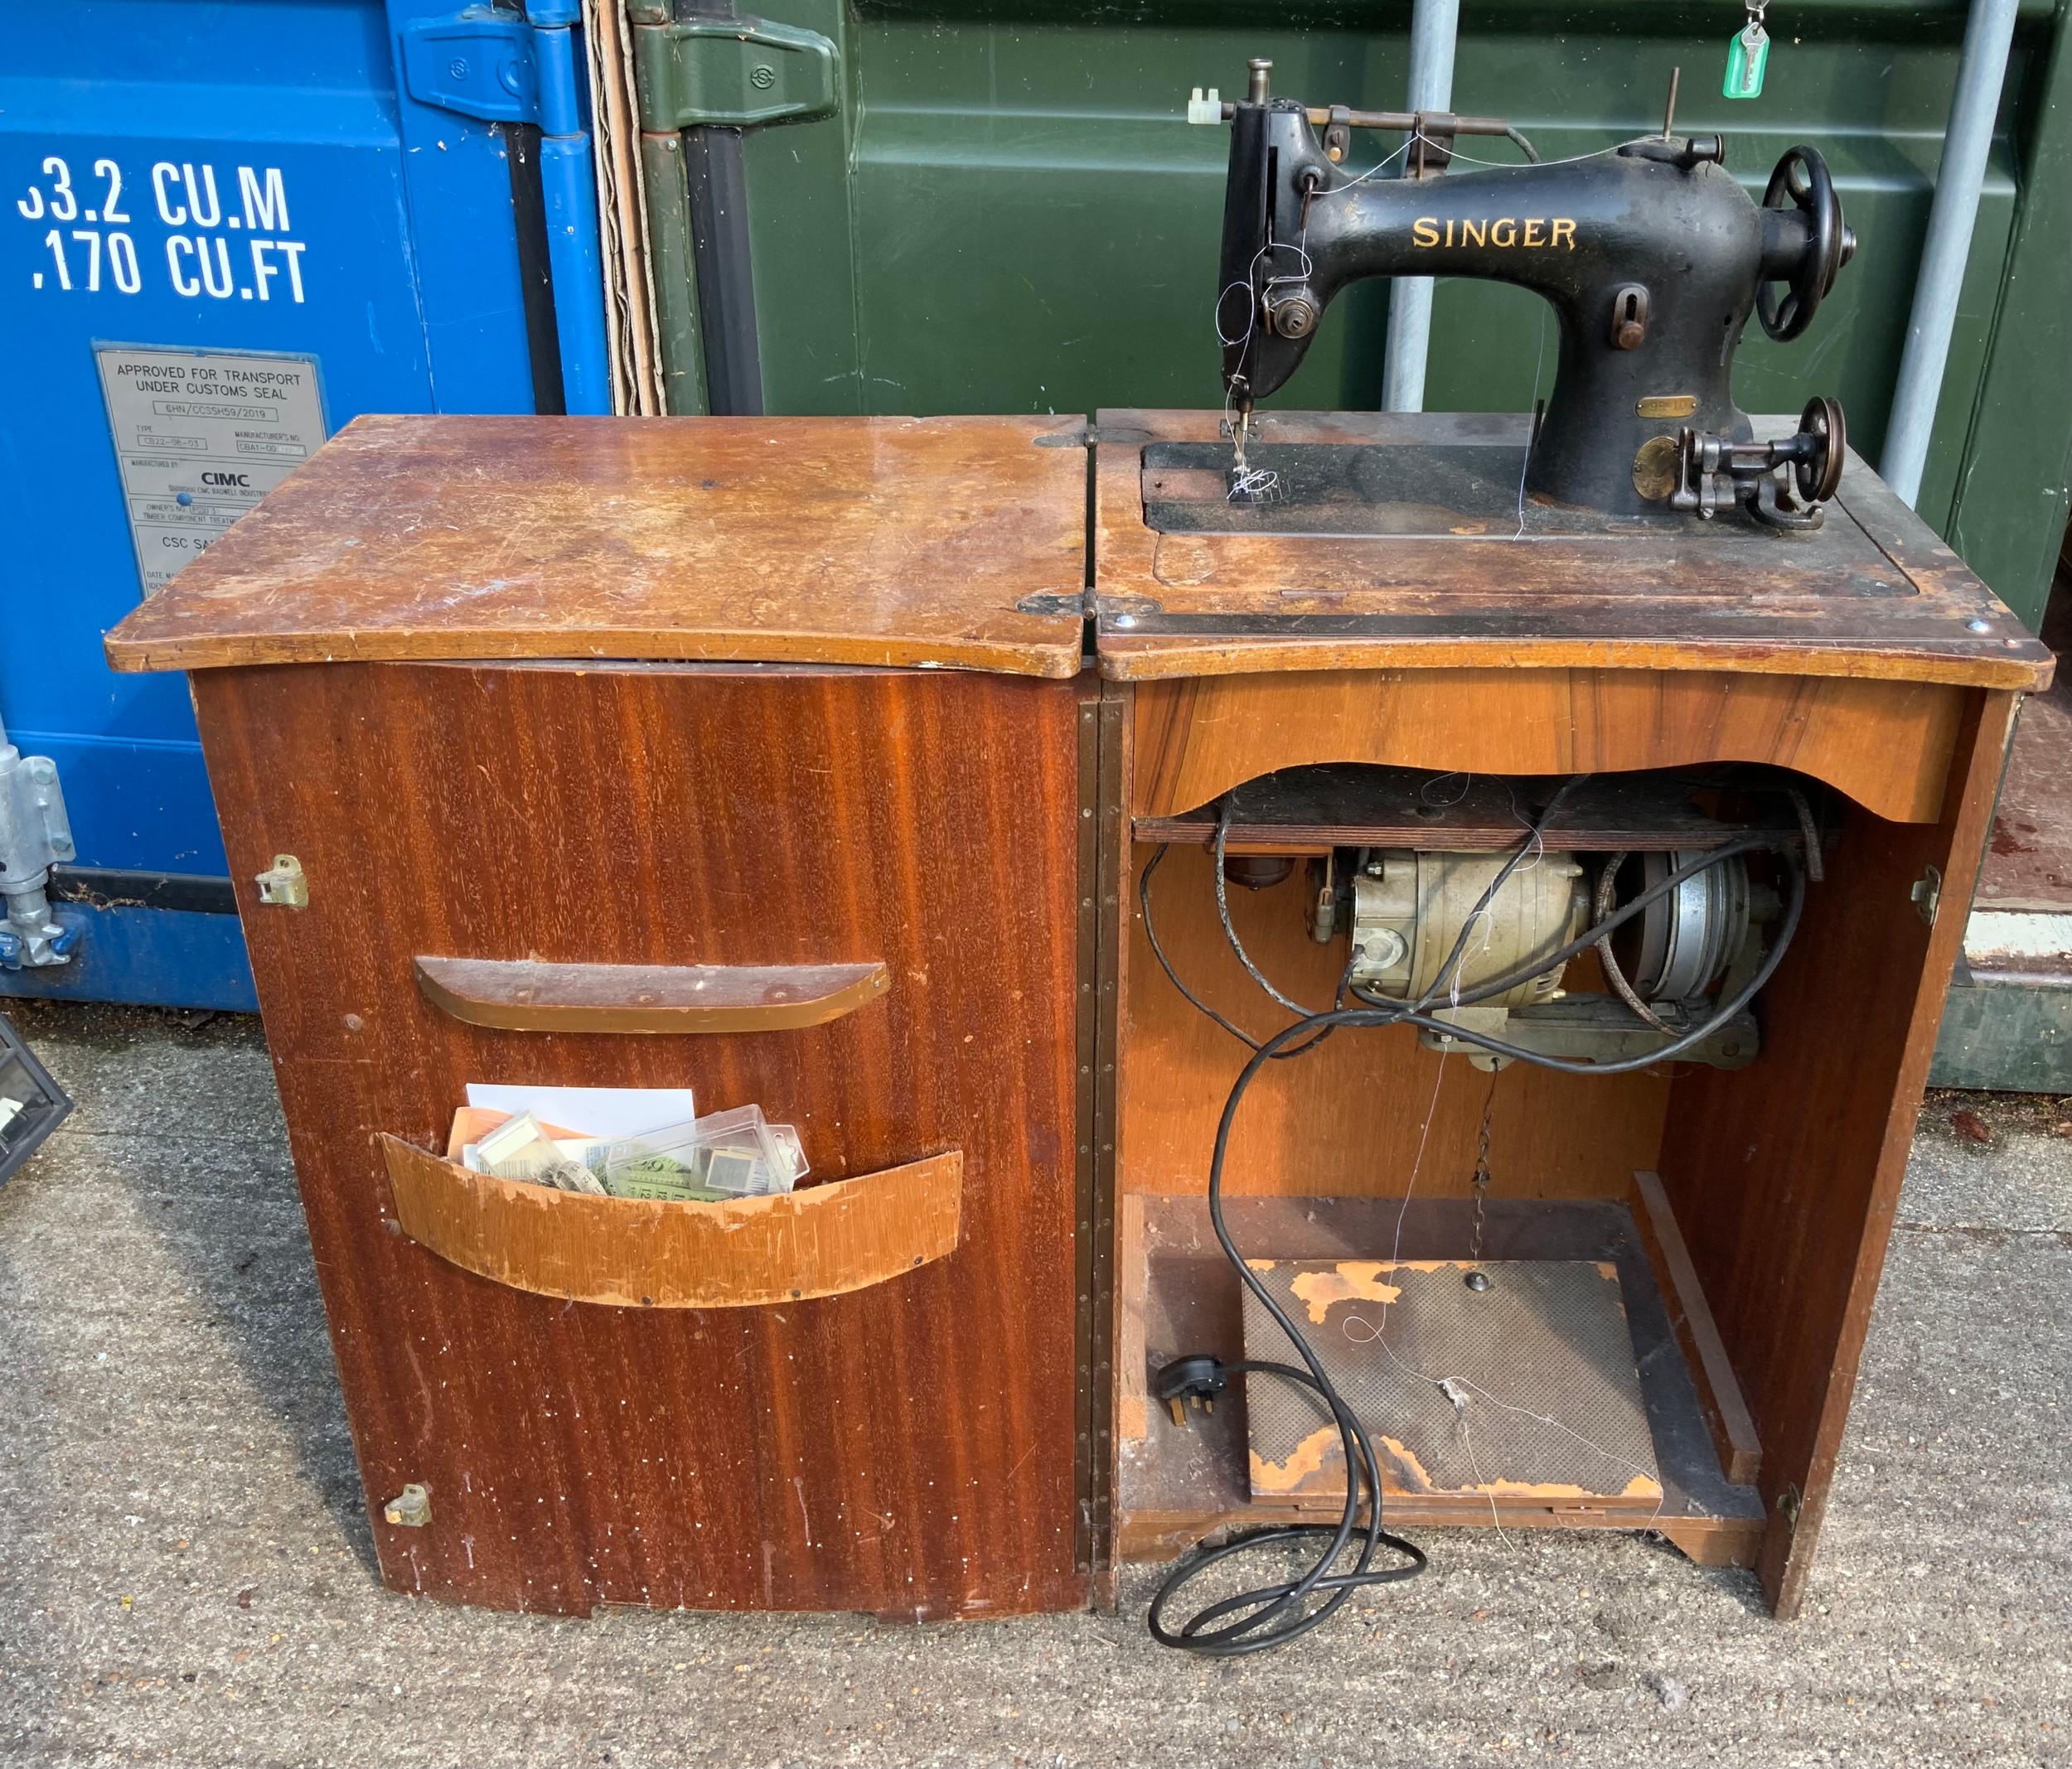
524 995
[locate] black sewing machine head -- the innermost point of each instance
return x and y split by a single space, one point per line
1652 255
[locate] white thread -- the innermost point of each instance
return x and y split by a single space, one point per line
1573 159
1377 1335
1536 847
1432 1110
1451 1388
1418 135
1539 362
1467 783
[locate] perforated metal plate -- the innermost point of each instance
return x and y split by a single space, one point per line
1545 1403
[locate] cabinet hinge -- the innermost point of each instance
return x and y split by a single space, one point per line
731 72
479 63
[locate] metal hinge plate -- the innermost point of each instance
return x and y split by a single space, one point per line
731 72
478 63
411 1508
1928 894
284 883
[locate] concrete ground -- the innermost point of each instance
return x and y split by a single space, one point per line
185 1575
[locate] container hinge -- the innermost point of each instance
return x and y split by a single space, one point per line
731 72
479 63
35 834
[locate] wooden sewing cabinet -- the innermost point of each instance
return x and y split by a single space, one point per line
766 757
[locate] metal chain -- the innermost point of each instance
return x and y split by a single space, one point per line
1481 1180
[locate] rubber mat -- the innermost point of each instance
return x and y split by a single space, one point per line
1526 1388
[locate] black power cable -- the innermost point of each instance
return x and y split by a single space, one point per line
1270 1615
1172 976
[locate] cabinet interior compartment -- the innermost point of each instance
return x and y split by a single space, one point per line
1366 1150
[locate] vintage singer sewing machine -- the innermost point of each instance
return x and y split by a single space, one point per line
1653 257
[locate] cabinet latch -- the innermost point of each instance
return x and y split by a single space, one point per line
1928 894
411 1508
731 72
284 884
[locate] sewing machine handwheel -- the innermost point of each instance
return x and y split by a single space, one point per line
1802 181
1818 478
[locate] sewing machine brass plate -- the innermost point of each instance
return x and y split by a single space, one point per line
1553 1412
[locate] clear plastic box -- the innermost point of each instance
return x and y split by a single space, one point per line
733 1154
520 1148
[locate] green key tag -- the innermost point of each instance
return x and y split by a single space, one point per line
1746 57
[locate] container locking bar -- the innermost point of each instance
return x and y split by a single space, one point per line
35 833
702 78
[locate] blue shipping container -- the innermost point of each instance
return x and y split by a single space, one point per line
230 229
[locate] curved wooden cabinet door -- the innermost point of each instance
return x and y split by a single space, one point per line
631 1253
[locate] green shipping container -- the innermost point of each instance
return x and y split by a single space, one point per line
1002 208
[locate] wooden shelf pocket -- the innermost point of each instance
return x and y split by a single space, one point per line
524 995
629 1253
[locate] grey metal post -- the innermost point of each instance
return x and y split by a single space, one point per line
1435 25
1959 178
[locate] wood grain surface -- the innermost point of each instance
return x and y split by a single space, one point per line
1734 1433
631 1253
1885 743
1191 605
855 540
524 995
907 1449
1784 1176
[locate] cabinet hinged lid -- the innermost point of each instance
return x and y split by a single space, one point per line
889 541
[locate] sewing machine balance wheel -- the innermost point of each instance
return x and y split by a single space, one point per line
1803 181
1818 477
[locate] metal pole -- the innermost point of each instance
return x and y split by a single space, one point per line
1434 25
1959 178
568 181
